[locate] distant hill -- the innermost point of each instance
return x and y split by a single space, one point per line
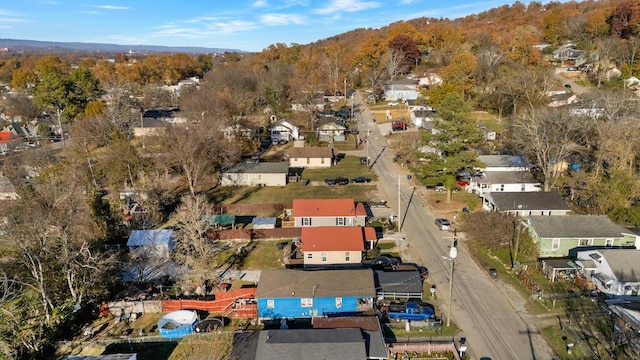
52 47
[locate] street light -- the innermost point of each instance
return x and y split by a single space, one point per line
399 207
453 253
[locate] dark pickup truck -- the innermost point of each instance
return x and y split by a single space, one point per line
410 310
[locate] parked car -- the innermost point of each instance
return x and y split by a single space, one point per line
330 181
443 224
342 180
567 86
360 179
398 126
411 310
393 103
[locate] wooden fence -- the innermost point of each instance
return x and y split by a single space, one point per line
224 304
250 234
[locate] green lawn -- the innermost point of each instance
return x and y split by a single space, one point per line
348 167
264 256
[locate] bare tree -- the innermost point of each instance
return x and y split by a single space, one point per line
394 62
548 136
193 247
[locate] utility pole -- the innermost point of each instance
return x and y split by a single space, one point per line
399 208
515 252
453 253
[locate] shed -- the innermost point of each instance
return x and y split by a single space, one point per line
264 223
223 221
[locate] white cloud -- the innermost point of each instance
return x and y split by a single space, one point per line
259 4
111 7
281 19
346 6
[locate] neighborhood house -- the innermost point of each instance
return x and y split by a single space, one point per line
256 174
328 212
311 157
332 246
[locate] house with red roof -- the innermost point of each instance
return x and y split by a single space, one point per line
332 246
328 212
8 141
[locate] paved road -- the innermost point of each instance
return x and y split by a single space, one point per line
577 89
493 325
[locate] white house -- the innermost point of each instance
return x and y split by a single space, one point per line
404 89
422 118
311 157
616 272
503 181
284 131
256 174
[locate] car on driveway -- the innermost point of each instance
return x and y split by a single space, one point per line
360 179
342 180
398 126
443 224
330 181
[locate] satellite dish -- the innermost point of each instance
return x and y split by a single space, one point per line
519 206
287 212
273 118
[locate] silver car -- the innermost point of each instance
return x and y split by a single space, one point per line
443 224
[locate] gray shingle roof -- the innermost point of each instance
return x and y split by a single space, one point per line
398 281
576 226
509 177
504 161
625 263
285 283
506 201
311 344
260 168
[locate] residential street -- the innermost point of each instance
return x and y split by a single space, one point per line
492 316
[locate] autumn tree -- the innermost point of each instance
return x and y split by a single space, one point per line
405 45
625 19
547 136
460 73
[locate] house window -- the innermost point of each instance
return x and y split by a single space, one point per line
338 302
347 256
341 221
309 256
502 187
322 160
306 302
306 221
608 242
271 304
522 187
585 242
308 161
324 256
555 244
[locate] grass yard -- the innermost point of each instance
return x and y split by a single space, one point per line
286 194
264 256
348 167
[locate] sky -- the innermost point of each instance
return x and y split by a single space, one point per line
250 25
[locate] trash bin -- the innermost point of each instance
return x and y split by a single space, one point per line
493 273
